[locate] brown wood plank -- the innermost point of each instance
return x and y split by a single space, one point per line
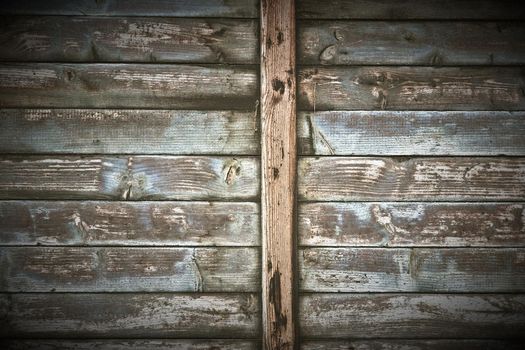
411 88
124 315
131 178
94 223
411 133
130 39
478 270
62 85
412 316
412 224
140 131
425 179
404 344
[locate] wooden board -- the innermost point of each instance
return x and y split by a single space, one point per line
412 224
94 223
111 131
129 178
130 39
411 88
129 315
404 344
411 43
411 133
424 179
81 269
412 316
65 85
412 270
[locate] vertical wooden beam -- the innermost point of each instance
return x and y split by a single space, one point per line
278 118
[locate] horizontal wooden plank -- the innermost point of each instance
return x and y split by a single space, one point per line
82 269
412 316
100 85
404 344
130 315
476 270
94 223
411 88
412 224
412 9
171 8
128 131
130 39
426 179
411 133
129 178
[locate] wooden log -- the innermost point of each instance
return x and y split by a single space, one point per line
372 316
411 133
129 39
94 223
64 85
424 179
411 88
437 344
412 224
131 178
412 270
124 315
128 131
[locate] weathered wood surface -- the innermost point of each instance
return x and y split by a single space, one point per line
412 270
411 133
131 39
412 9
426 179
410 344
163 8
124 315
412 316
81 269
127 86
412 224
93 223
409 43
411 88
129 178
128 131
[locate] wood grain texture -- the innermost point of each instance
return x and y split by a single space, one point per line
131 178
94 223
163 8
475 270
81 269
62 85
130 39
410 344
412 316
411 88
424 179
129 315
411 133
412 224
409 43
128 131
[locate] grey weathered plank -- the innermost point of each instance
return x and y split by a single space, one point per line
412 270
411 133
412 316
405 344
128 131
175 8
412 224
130 39
412 88
124 315
131 178
82 269
34 85
94 223
408 43
426 179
